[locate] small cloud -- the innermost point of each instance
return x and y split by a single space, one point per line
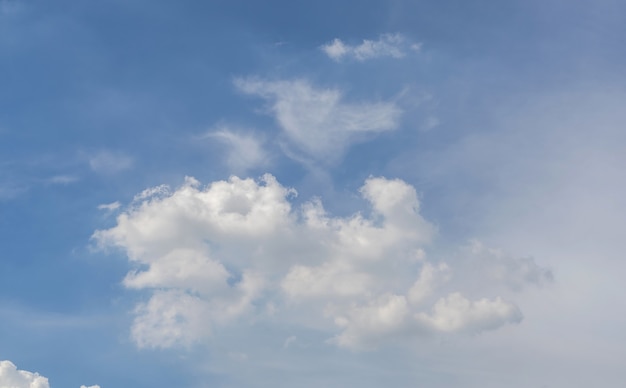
109 206
106 162
387 45
62 179
245 150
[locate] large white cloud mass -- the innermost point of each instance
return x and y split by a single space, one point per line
11 377
239 251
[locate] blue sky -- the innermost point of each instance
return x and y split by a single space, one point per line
330 193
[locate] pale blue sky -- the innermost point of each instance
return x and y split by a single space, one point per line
504 119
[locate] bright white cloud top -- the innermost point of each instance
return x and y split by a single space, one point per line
238 250
11 377
387 45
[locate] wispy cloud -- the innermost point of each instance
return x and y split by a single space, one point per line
109 206
245 150
62 179
317 120
387 45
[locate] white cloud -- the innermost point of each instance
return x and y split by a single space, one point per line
317 121
110 206
246 151
11 377
387 45
237 251
106 162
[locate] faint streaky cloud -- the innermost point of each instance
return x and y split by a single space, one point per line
387 45
109 206
91 386
12 377
62 179
318 121
245 150
107 162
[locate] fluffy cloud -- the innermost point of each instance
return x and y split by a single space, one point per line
11 377
238 251
387 45
318 121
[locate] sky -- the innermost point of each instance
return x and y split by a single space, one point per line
406 193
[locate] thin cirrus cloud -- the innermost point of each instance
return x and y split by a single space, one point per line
387 45
11 377
239 251
317 121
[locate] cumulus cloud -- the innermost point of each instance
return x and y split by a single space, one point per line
387 45
316 120
11 377
245 150
238 251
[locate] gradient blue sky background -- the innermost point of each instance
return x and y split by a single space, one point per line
509 125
